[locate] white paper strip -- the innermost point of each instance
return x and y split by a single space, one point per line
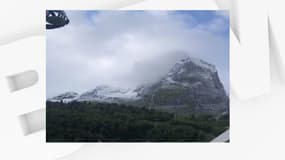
277 37
249 48
22 80
33 121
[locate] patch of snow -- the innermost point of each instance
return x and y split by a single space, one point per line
204 64
116 92
170 80
108 94
181 71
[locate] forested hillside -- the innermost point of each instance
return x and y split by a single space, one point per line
92 122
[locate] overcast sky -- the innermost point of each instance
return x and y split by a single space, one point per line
130 48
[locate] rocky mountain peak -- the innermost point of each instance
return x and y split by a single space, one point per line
193 85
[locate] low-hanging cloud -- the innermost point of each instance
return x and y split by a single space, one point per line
130 48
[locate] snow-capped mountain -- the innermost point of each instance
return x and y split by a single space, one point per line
65 97
191 86
99 94
108 94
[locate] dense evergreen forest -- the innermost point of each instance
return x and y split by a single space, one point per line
104 122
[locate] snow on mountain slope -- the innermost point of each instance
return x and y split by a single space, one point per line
108 94
187 72
65 97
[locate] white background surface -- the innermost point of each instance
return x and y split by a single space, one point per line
257 124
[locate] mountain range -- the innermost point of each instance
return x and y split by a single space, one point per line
192 86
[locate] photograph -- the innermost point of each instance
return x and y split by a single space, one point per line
137 75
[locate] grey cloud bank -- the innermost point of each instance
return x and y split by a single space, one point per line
129 48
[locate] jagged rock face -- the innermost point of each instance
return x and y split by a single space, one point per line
191 86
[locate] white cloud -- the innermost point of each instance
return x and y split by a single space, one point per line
126 49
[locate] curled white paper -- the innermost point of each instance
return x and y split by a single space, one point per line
22 80
21 34
33 121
